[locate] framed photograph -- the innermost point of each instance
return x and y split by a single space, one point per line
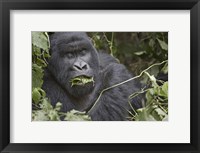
97 76
84 76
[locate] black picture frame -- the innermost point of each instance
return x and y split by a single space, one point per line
7 5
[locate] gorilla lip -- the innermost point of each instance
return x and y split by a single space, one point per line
81 80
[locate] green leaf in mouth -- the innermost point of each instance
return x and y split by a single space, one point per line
81 80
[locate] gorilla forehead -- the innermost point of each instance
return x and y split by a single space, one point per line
67 37
70 40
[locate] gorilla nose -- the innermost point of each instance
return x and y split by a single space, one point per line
80 66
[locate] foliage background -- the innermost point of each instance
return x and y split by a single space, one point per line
137 50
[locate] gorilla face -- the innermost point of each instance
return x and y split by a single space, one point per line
73 58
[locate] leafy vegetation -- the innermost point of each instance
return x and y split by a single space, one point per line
144 53
75 115
42 108
81 80
156 105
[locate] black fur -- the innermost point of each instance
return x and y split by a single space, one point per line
105 69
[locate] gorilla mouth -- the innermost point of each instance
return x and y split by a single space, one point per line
81 80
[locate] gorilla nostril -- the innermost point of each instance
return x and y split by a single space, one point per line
80 67
84 67
76 67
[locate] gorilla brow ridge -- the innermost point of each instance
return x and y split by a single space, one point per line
74 46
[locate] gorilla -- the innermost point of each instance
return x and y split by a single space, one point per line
74 58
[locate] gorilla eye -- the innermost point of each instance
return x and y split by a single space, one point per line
83 52
69 55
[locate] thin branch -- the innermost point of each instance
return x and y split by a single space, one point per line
116 85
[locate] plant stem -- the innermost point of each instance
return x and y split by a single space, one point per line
118 84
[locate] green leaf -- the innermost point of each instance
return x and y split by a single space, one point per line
58 106
36 50
164 91
154 70
97 37
37 75
41 62
46 55
165 69
36 96
158 113
151 90
53 115
40 40
144 115
81 80
75 115
151 43
165 87
153 79
151 113
42 92
46 105
39 115
139 53
149 95
163 44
